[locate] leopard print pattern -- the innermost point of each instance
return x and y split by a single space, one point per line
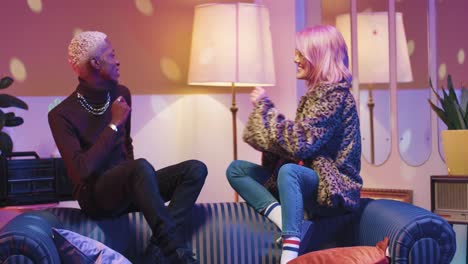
325 135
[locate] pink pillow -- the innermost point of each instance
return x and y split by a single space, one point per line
349 255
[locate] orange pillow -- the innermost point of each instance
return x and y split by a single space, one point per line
349 255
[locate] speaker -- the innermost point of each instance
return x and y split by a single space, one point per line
449 198
27 179
63 185
3 181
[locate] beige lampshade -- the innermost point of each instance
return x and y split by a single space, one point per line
373 47
231 43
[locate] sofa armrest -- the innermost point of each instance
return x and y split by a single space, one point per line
28 236
416 235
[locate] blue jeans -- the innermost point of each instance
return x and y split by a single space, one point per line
297 186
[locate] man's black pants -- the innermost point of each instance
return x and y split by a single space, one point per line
135 186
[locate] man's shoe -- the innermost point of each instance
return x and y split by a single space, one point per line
185 256
154 255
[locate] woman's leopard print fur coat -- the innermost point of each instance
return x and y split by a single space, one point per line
325 136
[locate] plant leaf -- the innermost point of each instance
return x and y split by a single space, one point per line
7 100
457 110
5 82
466 114
446 96
9 118
447 109
9 115
440 113
451 113
2 119
435 92
15 121
452 95
6 145
460 117
464 104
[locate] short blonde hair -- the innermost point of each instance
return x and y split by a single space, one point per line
325 49
83 46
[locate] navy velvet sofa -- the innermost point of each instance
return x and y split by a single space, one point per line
234 233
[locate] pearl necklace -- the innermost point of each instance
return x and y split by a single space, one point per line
90 108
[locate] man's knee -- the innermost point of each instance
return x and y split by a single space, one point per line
200 169
143 167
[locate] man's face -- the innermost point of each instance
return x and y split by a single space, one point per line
108 64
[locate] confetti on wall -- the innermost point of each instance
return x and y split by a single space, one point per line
151 39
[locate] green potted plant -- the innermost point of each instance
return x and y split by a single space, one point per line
454 114
8 119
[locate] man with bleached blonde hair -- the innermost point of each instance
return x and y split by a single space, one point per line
91 128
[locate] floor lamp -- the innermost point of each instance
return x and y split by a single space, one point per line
373 55
231 47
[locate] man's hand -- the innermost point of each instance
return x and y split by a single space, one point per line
120 111
257 94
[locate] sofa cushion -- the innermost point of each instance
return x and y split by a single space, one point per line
15 259
349 255
128 234
75 248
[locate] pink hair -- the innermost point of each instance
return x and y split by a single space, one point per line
325 50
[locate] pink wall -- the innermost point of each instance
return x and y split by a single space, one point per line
152 43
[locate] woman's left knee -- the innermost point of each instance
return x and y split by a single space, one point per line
287 173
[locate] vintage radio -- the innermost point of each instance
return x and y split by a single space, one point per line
449 198
27 179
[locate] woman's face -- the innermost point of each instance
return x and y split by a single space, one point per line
303 66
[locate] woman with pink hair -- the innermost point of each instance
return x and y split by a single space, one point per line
311 163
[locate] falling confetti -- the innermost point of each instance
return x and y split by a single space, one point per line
17 69
144 6
35 5
442 71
